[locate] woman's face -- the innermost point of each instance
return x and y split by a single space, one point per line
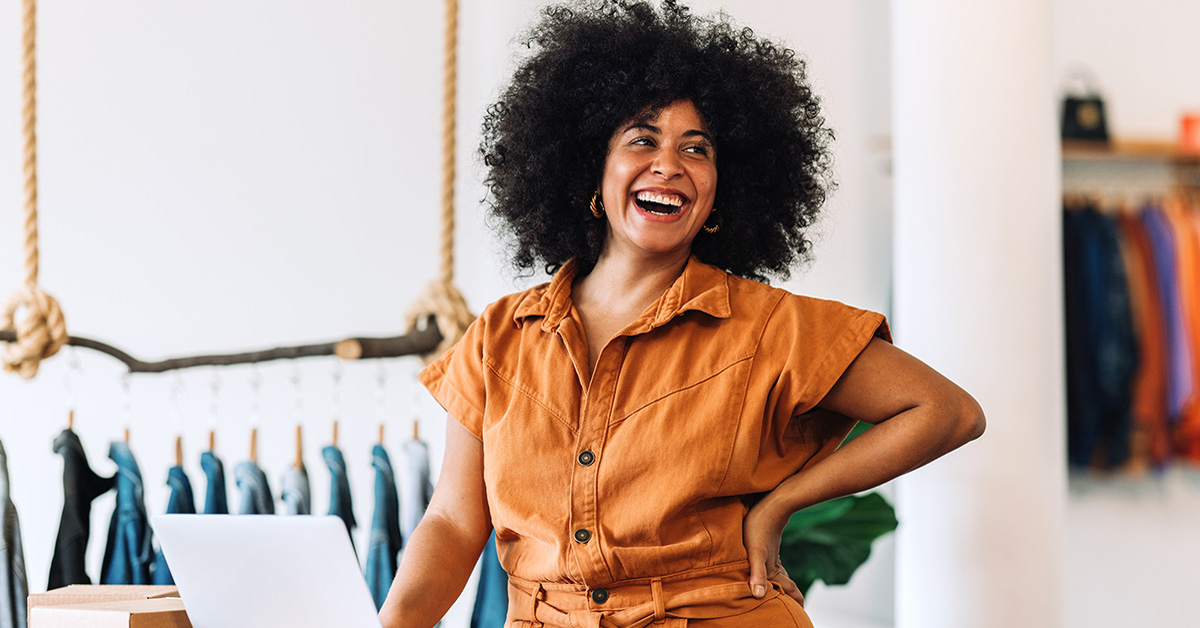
659 182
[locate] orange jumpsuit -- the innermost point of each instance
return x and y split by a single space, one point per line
618 495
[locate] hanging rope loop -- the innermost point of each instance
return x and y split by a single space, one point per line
41 332
446 305
441 299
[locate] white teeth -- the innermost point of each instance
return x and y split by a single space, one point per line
661 199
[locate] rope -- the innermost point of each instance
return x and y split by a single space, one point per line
42 331
449 113
441 299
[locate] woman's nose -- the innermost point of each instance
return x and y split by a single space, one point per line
666 164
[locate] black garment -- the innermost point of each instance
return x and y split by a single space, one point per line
81 486
1102 352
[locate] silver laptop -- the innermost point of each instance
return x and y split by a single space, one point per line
265 571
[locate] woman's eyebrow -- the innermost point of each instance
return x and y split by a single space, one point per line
645 126
695 133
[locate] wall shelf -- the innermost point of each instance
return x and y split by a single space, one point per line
1128 150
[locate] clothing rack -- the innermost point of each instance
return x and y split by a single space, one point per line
420 340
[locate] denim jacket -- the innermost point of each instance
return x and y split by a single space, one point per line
128 555
418 490
385 529
256 493
491 601
215 502
340 504
182 502
81 486
295 493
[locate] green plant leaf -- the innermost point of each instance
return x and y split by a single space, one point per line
830 541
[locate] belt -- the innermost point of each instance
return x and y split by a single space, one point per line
664 602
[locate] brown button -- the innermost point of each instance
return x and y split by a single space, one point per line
600 596
583 536
586 458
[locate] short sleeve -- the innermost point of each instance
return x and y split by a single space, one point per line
812 342
456 379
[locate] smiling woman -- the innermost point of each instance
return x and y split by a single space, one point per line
659 181
638 431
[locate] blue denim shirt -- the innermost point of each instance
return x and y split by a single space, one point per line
385 529
14 587
491 601
340 504
128 554
256 493
295 493
182 502
215 502
418 490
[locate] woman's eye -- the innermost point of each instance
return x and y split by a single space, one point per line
698 149
643 141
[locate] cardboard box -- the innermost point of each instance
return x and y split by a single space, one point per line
93 593
157 613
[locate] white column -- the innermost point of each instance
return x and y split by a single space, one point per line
978 297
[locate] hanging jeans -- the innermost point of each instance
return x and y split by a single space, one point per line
81 486
295 493
256 493
180 502
128 555
340 504
418 491
491 601
385 529
13 584
215 502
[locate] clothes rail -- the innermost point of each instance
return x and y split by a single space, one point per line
418 341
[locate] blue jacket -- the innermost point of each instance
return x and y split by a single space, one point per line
181 501
385 529
256 493
419 490
215 502
295 493
340 504
128 554
491 601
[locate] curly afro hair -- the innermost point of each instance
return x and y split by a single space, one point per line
594 65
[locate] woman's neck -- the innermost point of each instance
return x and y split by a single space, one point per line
624 284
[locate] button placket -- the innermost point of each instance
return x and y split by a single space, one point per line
593 425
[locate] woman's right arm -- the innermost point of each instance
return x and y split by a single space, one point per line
442 551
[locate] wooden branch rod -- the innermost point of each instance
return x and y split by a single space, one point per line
419 341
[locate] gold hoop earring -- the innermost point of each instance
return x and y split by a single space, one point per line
597 205
711 230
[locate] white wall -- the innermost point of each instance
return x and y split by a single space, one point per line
1132 550
223 176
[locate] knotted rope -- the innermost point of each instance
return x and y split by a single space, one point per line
42 331
441 299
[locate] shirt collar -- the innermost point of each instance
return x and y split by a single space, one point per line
699 287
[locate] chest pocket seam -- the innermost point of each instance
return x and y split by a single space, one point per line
683 387
529 395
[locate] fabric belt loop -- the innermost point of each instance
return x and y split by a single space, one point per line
660 609
534 598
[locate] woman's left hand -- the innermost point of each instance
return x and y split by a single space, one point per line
762 531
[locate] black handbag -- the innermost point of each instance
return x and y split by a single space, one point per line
1083 115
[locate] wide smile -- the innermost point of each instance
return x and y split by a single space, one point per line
660 203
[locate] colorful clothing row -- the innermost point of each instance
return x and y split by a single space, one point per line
1132 306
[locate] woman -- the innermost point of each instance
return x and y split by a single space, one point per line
639 430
